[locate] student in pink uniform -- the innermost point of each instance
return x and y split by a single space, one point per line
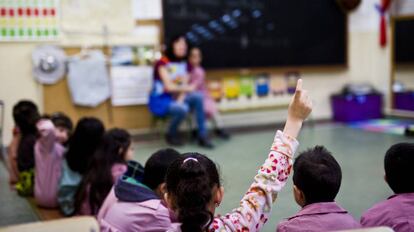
107 165
194 190
49 150
397 211
197 78
317 179
136 203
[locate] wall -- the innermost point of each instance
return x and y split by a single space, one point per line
367 63
16 80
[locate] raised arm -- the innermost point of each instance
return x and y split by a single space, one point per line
47 137
256 205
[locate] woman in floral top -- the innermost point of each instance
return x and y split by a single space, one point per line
194 190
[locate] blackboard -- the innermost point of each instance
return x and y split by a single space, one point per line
260 33
404 41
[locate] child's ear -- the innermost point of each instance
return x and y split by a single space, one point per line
299 196
219 195
169 201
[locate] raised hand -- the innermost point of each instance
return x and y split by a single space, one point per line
299 109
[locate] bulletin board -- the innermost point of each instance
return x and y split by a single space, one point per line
29 20
136 117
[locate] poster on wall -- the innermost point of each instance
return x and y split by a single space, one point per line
29 20
130 85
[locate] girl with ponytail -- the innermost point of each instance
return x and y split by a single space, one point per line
194 189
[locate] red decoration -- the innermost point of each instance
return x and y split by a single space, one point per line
385 4
11 12
52 11
45 12
3 12
28 11
36 12
20 11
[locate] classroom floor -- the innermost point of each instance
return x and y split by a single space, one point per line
360 154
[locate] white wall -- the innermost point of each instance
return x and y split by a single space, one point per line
16 80
367 63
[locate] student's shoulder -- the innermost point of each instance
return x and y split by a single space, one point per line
377 212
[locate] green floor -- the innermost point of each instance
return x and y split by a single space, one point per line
359 153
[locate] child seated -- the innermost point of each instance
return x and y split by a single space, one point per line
194 189
81 147
25 115
107 165
397 211
49 150
197 78
317 179
137 205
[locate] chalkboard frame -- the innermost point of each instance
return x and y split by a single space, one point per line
277 69
393 62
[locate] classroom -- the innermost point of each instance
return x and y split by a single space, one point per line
206 116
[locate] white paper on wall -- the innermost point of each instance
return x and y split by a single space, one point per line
131 85
147 9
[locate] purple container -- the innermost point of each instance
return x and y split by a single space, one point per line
350 108
404 100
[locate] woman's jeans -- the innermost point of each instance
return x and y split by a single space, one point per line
178 111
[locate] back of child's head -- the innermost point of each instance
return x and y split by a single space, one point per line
98 180
83 143
157 165
190 182
64 126
317 174
399 163
26 115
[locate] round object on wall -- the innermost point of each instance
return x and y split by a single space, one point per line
349 5
48 64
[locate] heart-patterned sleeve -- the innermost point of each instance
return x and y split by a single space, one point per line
256 205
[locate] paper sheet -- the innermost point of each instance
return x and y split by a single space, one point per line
130 85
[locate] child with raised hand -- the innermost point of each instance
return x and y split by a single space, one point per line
81 147
317 179
107 165
397 211
49 150
136 201
194 189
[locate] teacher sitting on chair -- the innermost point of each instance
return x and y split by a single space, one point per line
173 96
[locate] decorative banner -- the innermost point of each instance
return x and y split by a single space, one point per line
28 20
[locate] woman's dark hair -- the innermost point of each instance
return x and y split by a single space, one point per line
26 115
190 181
157 165
169 51
398 164
83 143
98 181
317 174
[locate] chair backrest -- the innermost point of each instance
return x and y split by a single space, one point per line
79 224
375 229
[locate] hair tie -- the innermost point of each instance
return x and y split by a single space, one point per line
190 158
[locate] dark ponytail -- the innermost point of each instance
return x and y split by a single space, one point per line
190 181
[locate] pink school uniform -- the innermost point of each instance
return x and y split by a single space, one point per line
117 171
197 77
324 216
256 205
48 158
132 206
396 212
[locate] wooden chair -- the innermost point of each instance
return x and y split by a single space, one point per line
44 214
79 224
